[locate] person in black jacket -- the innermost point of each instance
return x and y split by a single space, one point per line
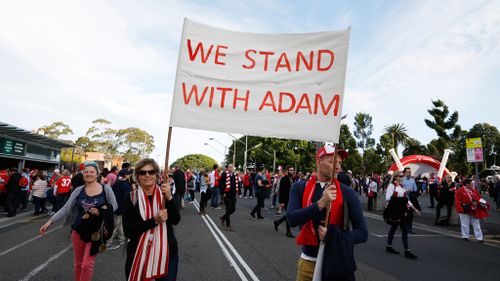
180 185
121 188
446 198
285 183
13 190
151 234
229 184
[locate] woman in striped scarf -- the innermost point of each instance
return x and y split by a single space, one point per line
149 215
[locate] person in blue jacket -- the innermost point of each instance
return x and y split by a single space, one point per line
307 209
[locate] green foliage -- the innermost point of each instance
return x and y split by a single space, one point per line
398 134
288 153
134 144
195 162
101 137
363 129
55 130
444 124
347 142
413 146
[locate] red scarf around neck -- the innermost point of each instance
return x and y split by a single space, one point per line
307 235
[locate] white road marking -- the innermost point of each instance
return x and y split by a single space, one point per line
223 248
412 235
27 241
45 264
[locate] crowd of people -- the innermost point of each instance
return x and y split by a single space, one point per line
140 207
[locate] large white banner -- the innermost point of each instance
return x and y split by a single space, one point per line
271 85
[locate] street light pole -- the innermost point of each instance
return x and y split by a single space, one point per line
225 147
245 154
234 153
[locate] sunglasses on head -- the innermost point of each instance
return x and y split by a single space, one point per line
144 172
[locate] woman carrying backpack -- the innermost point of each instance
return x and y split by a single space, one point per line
150 212
89 210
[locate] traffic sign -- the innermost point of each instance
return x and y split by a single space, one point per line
473 143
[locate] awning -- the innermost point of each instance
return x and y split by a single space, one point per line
30 138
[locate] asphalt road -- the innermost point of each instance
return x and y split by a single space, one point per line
253 252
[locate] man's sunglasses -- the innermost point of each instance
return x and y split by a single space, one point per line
144 172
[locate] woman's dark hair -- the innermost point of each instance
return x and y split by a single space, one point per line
467 181
145 162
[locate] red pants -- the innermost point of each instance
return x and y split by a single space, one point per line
83 261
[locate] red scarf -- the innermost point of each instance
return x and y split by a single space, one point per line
151 256
307 235
228 182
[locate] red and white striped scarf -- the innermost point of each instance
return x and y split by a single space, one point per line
228 182
151 256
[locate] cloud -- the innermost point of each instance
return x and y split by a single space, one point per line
76 61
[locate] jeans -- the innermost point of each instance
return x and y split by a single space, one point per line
83 261
260 204
275 196
215 197
39 205
12 203
230 208
371 200
448 211
61 200
404 235
203 201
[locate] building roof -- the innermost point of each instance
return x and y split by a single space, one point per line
29 137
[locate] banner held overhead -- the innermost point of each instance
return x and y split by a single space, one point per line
270 85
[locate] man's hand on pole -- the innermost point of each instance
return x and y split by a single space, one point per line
329 194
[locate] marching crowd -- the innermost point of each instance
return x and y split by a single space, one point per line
140 207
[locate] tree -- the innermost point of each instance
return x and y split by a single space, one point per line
413 146
195 161
134 144
386 143
101 138
450 135
55 130
398 134
363 130
347 142
444 124
288 153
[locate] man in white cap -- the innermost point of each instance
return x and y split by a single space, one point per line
307 207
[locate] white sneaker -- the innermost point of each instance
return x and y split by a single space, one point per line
251 197
246 197
218 208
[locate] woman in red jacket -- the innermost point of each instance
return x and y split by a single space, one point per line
471 208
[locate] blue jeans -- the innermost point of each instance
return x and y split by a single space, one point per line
404 234
215 197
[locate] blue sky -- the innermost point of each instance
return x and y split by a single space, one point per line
76 61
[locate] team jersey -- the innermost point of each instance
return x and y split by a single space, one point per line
63 185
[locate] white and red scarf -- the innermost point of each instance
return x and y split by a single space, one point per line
228 182
151 256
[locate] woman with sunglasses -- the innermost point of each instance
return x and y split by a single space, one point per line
150 212
86 209
398 211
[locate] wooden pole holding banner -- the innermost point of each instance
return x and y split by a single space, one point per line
167 155
318 267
